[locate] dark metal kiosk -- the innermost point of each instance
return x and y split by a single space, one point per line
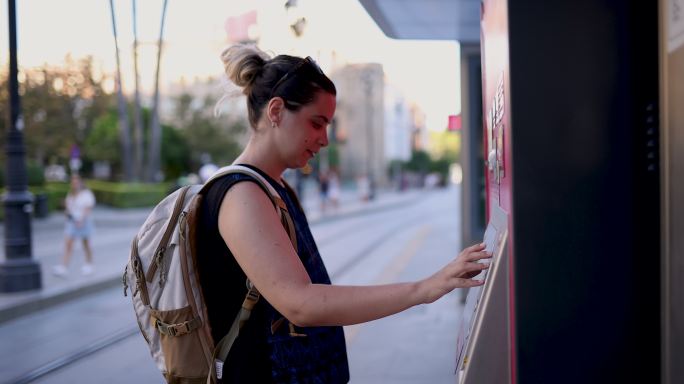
578 149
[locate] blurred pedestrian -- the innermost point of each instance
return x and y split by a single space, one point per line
79 204
323 188
333 189
294 334
363 187
207 169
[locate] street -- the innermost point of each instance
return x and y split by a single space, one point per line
95 339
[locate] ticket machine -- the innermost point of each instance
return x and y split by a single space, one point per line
581 157
571 141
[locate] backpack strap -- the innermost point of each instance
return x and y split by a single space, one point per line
223 347
161 248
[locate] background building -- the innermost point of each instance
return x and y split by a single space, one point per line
360 121
399 125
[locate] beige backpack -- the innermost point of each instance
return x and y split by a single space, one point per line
166 292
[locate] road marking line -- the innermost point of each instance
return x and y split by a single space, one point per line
392 272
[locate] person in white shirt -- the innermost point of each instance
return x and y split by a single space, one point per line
79 225
207 169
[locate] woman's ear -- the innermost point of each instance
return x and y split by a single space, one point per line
274 110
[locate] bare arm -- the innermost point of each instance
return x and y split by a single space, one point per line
251 228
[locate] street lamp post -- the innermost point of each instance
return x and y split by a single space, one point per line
18 272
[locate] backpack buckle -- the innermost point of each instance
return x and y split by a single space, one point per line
253 295
171 331
163 328
294 333
179 329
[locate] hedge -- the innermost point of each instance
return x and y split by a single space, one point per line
117 195
55 193
128 195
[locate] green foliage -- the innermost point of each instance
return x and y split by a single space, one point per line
35 174
175 153
59 105
205 133
128 195
445 145
420 162
56 192
66 105
333 156
118 195
441 166
102 144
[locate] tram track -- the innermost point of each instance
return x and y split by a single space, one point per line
380 240
122 334
73 357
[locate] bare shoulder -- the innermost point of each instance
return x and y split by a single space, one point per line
251 228
246 208
245 197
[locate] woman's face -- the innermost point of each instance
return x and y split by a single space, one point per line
303 133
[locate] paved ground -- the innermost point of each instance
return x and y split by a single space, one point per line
402 237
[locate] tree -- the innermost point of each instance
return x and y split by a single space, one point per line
60 105
154 151
137 111
205 133
123 115
175 153
445 144
420 162
103 142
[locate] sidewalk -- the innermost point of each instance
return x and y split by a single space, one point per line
114 230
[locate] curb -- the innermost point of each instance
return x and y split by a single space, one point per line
31 305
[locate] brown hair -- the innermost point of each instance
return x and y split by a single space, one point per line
294 79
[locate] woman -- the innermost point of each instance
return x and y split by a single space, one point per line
294 334
79 225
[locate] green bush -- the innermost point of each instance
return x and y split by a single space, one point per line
56 192
128 195
35 174
118 195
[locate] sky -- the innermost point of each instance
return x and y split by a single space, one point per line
48 30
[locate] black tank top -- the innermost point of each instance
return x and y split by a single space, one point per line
258 356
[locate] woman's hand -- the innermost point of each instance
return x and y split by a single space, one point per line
456 274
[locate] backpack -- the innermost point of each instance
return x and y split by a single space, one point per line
166 291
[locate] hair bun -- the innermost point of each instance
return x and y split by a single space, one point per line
243 63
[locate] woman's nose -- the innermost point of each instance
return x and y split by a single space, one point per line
324 139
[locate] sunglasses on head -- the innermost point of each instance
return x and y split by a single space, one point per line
307 60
